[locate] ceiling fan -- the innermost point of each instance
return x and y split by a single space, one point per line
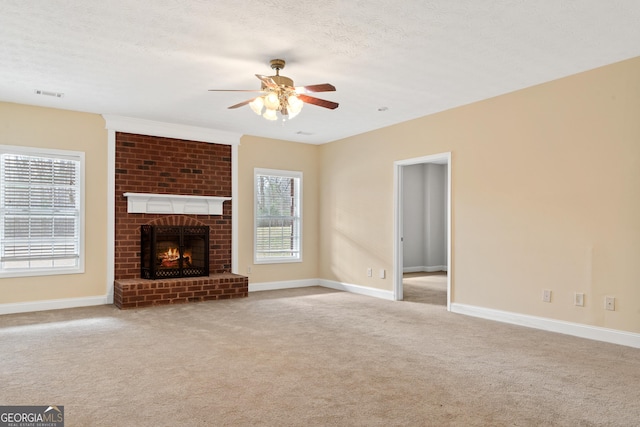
279 95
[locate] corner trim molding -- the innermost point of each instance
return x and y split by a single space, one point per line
111 212
234 210
596 333
170 130
55 304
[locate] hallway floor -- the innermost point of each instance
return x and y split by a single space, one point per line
426 288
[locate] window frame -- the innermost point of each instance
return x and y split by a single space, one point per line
50 153
298 200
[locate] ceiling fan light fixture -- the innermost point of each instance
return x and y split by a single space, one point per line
272 101
279 95
294 106
294 103
257 105
270 115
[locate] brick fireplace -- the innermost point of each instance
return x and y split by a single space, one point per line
168 166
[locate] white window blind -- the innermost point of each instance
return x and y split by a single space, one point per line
278 216
40 207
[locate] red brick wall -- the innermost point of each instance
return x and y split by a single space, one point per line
150 164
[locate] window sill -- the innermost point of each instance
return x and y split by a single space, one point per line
277 261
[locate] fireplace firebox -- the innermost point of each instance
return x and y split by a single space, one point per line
174 251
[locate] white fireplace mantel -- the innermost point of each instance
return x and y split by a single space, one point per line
174 204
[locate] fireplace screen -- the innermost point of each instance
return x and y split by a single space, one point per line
174 251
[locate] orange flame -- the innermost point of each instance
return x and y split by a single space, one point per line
172 254
169 259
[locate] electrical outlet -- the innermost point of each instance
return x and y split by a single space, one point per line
546 295
610 303
382 273
248 270
369 272
578 299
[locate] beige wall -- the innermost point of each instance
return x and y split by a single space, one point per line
274 154
545 195
51 128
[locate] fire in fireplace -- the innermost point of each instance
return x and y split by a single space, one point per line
174 251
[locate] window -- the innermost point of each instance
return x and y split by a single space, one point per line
41 211
278 216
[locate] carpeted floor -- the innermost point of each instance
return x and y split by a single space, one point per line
425 288
310 357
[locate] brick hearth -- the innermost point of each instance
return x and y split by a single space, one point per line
132 293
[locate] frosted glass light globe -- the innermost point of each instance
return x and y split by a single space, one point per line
271 101
257 105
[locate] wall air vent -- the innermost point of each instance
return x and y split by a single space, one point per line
49 93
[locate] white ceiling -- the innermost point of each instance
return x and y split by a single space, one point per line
156 59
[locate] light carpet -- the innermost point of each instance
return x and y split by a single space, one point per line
310 357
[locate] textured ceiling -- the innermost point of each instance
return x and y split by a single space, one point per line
155 59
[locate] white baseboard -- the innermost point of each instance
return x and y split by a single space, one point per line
272 286
596 333
56 304
424 269
24 307
357 289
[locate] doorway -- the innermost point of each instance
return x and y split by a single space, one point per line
430 254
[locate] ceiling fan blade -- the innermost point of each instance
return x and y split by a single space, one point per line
319 102
268 81
241 104
235 90
324 87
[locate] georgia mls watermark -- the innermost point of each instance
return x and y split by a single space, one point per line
31 416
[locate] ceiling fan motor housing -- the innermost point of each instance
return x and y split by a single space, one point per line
278 64
280 81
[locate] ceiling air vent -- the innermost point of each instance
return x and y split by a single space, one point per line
300 132
49 93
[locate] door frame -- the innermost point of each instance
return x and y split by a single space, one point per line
398 185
